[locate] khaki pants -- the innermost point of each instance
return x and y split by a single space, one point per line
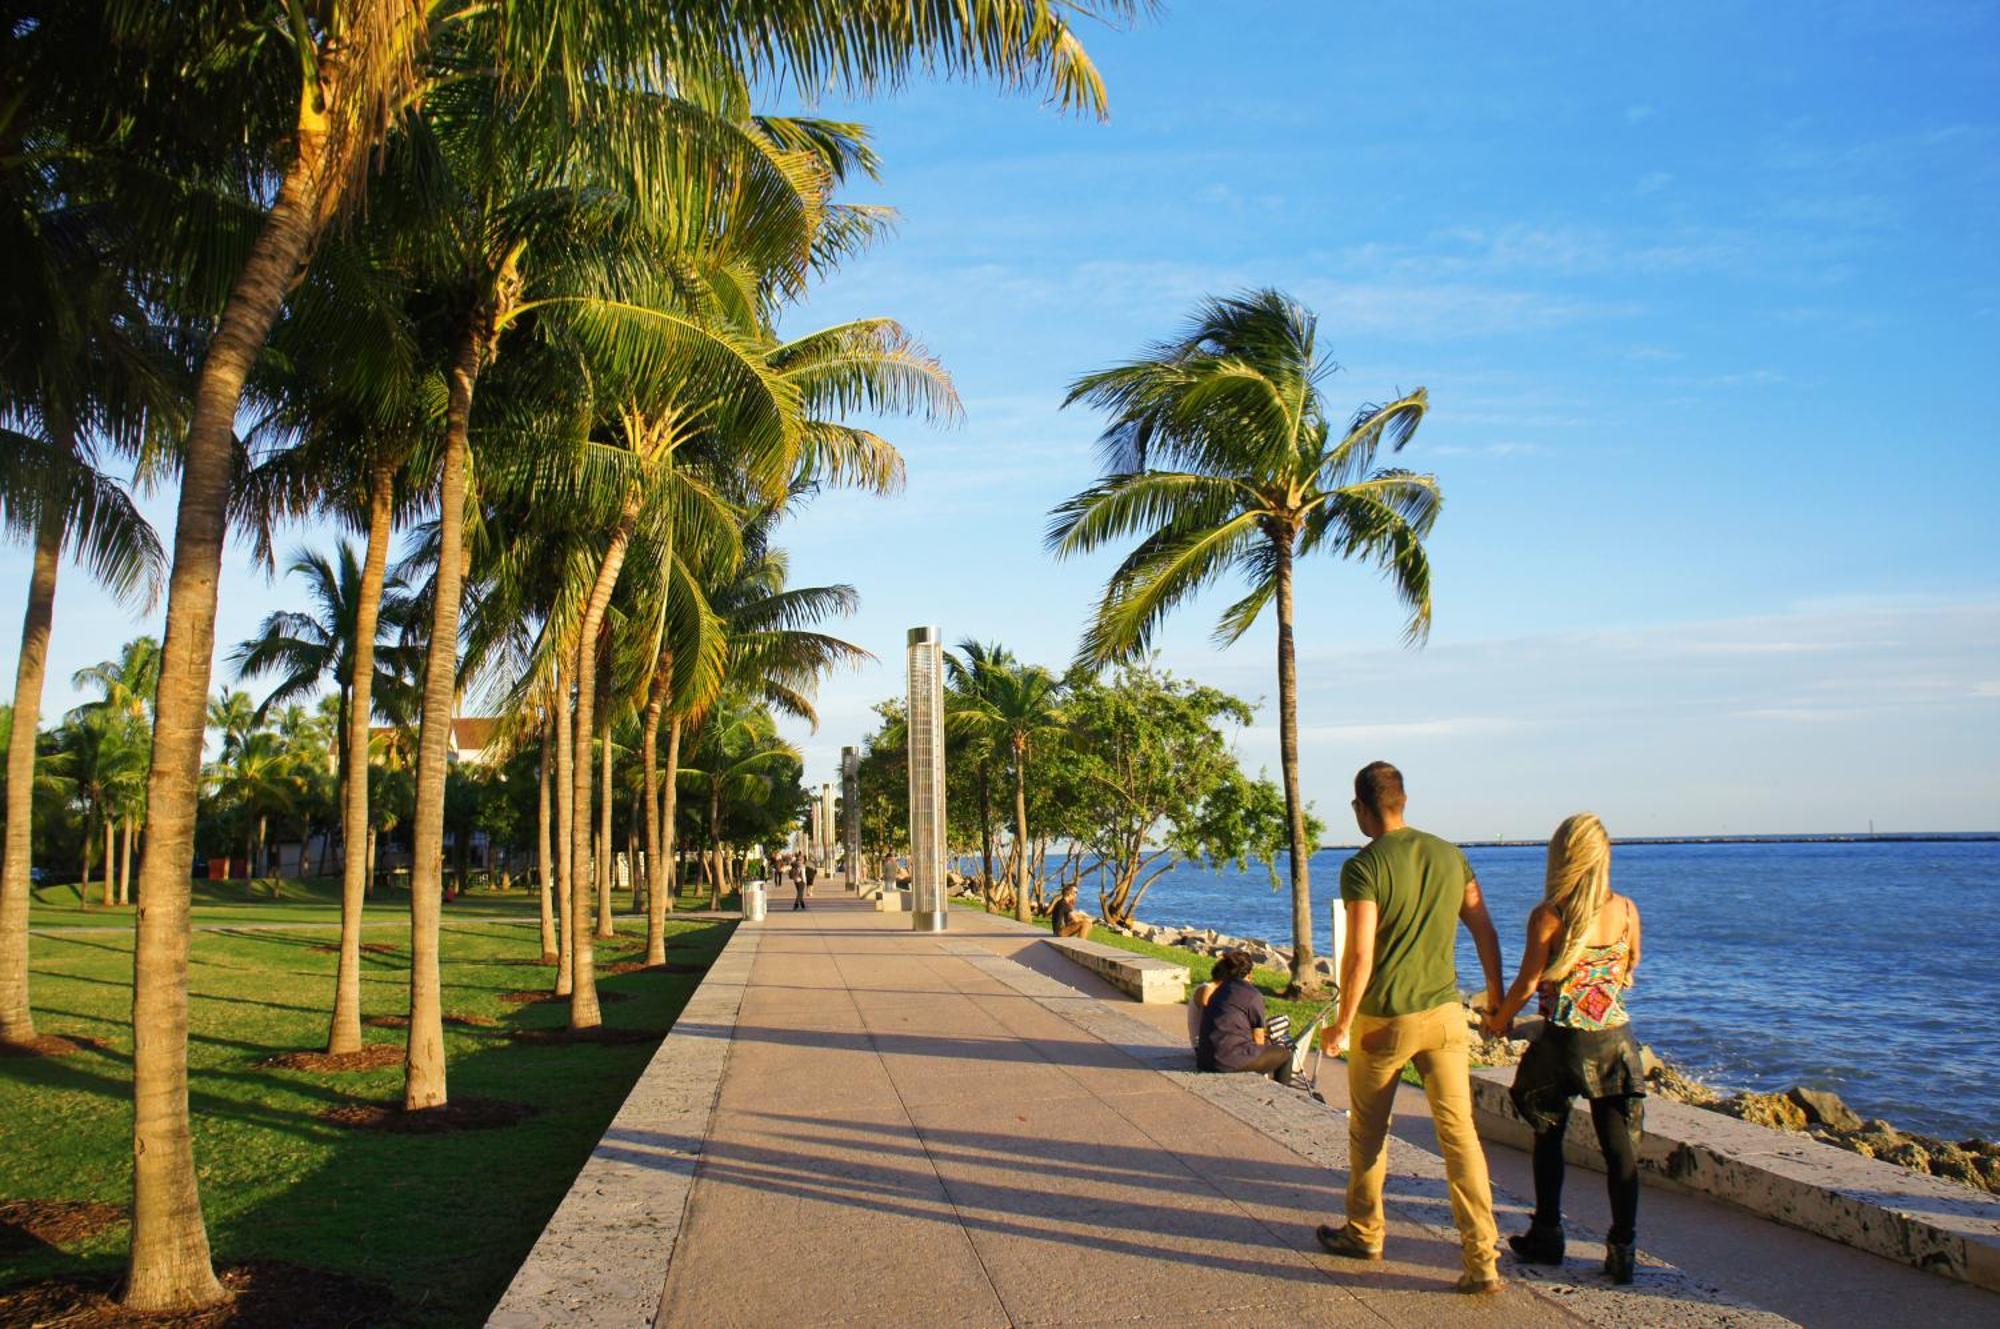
1378 1049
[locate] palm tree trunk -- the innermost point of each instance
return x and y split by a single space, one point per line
565 846
424 1066
344 1035
544 869
656 873
986 839
1022 910
583 1012
714 842
17 1021
125 862
668 878
110 855
606 857
1288 759
170 1268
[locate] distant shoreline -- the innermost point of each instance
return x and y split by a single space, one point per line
1912 837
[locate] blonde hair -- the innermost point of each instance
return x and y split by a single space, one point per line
1578 886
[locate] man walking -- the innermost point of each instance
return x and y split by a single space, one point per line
1404 893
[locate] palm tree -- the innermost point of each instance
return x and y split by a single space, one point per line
963 670
1221 456
79 373
260 778
234 715
1012 707
736 759
126 688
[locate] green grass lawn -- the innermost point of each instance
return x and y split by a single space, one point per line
315 900
440 1220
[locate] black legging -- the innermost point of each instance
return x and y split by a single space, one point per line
1618 1136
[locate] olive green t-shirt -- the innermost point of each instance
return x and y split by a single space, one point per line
1417 882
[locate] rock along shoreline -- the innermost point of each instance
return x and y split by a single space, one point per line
1802 1109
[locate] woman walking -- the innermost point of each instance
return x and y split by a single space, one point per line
1583 946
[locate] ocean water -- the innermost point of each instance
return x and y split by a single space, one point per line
1872 969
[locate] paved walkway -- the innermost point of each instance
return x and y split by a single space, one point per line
915 1130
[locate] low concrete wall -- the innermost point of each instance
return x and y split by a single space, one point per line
602 1259
1792 1179
1150 980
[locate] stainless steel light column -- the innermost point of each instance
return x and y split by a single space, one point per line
926 729
850 815
829 830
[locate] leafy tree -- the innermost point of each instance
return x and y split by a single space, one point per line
1222 457
1157 783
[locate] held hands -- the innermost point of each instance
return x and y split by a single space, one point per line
1495 1024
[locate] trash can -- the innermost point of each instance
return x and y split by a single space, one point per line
753 901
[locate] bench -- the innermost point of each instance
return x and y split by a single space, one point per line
1791 1179
1141 977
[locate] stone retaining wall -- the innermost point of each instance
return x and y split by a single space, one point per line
1792 1179
602 1259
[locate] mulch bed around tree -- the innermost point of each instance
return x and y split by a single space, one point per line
460 1114
52 1045
265 1294
529 996
641 967
372 1057
26 1224
599 1034
403 1021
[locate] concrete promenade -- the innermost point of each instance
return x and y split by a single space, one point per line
856 1125
917 1130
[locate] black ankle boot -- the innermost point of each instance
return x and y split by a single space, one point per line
1619 1261
1542 1243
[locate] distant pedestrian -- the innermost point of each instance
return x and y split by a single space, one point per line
1582 949
812 873
798 884
1405 893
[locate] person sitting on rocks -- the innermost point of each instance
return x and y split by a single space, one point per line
1233 1026
1583 946
1065 919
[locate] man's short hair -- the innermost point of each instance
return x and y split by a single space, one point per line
1379 787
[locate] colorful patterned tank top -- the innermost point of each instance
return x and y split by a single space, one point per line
1592 995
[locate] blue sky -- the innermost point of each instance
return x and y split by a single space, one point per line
1708 307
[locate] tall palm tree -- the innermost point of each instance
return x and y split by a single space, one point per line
1222 456
80 375
308 648
1014 708
963 671
126 688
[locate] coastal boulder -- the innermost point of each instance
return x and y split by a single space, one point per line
1773 1110
1825 1108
